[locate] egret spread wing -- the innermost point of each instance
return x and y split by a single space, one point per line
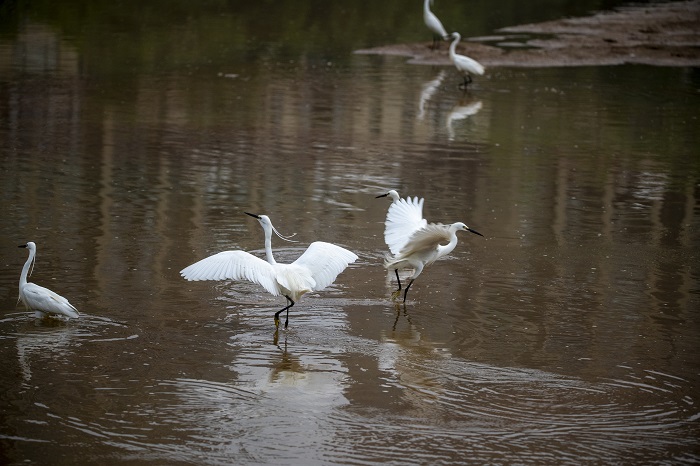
325 261
426 238
234 265
404 217
42 299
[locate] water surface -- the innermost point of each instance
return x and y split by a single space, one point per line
569 334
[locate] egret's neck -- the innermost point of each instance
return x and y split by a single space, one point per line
426 6
268 245
453 47
25 270
446 249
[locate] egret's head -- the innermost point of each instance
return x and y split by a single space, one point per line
462 226
267 224
392 193
30 245
456 35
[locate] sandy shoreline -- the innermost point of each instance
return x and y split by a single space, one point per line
665 34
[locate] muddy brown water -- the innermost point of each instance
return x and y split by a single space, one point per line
568 334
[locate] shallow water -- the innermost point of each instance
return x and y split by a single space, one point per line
568 334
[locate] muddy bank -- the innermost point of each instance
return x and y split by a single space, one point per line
665 34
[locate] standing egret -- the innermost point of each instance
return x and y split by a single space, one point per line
39 299
413 242
314 270
434 24
467 66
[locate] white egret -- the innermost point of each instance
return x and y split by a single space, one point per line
467 66
39 299
405 218
314 270
434 24
393 194
413 242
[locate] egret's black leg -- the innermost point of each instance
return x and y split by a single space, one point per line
406 291
277 314
396 293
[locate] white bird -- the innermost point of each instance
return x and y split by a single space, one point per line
413 242
467 66
314 270
39 299
393 194
405 218
434 24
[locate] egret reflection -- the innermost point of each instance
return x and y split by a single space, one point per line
463 110
429 89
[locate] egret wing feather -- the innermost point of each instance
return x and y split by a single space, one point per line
465 63
234 265
325 261
426 239
42 299
404 217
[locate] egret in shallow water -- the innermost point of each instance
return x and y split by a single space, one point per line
467 66
413 242
39 299
434 24
314 270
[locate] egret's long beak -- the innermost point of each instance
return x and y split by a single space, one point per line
22 246
252 215
382 195
474 231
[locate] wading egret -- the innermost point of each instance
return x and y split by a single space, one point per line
314 270
413 242
467 66
434 24
39 299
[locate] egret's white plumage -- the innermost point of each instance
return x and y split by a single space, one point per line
413 242
466 65
404 217
314 270
434 24
39 299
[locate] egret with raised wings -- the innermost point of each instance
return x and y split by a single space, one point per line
466 65
434 24
39 299
413 242
314 270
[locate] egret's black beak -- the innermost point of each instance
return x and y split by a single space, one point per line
252 215
382 195
474 231
22 246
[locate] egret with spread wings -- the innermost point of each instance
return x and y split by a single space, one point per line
413 242
314 270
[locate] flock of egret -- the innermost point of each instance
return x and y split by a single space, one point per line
465 65
413 242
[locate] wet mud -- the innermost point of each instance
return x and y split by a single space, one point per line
665 34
